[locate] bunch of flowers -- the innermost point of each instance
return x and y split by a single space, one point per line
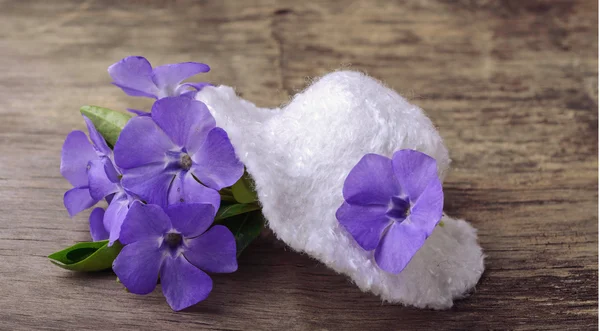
179 203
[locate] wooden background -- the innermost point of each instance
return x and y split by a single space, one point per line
512 86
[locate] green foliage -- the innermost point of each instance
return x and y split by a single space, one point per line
245 228
243 190
87 256
109 123
230 210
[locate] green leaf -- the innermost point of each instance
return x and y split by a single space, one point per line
227 211
226 195
108 122
245 228
87 256
243 191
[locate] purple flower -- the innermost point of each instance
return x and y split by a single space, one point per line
107 224
138 112
91 170
105 182
176 245
176 155
135 76
77 154
97 228
392 206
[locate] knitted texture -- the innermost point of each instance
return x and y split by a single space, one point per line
299 157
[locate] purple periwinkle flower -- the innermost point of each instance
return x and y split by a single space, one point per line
138 112
97 228
392 206
176 155
135 76
91 170
107 224
175 244
77 154
105 182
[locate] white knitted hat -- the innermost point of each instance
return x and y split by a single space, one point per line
299 157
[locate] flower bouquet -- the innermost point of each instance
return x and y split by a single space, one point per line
348 172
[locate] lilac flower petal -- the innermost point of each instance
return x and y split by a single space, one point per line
97 229
191 219
183 284
150 183
96 137
399 208
109 198
215 162
76 153
133 74
138 265
398 246
371 181
140 143
186 189
427 211
78 199
144 222
138 112
189 90
100 185
115 216
111 171
170 75
198 86
414 171
135 93
188 94
364 223
186 121
213 251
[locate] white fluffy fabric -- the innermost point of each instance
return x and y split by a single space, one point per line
300 155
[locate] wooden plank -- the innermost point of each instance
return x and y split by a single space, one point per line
512 86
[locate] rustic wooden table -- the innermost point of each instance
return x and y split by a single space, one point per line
512 86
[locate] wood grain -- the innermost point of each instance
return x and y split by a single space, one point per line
512 86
